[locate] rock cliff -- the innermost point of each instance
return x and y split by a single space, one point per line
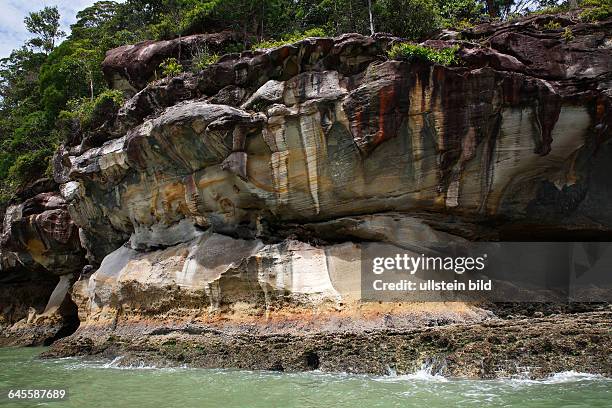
234 201
40 258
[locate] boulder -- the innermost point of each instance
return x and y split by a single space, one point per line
131 67
41 229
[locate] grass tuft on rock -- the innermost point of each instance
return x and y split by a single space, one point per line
444 56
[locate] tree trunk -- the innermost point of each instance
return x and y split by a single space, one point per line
91 87
336 19
491 8
371 19
180 45
263 13
352 20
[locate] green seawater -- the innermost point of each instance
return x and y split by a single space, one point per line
96 383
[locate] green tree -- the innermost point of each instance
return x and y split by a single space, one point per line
95 16
413 19
457 13
19 80
46 25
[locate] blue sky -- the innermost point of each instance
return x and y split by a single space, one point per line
12 12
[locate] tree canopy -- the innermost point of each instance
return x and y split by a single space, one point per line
45 24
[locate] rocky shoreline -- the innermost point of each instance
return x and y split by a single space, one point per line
528 347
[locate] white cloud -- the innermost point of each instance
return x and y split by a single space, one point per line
12 12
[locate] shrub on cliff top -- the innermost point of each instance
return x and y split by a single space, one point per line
444 56
170 67
291 38
596 10
90 113
552 25
551 9
29 166
203 57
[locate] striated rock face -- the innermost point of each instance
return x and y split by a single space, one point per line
40 256
264 142
241 196
40 230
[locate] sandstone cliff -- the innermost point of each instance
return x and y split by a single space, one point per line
238 197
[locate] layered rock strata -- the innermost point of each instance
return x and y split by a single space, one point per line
237 199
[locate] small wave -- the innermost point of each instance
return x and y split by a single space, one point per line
562 377
117 364
114 363
571 376
425 373
420 375
77 364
